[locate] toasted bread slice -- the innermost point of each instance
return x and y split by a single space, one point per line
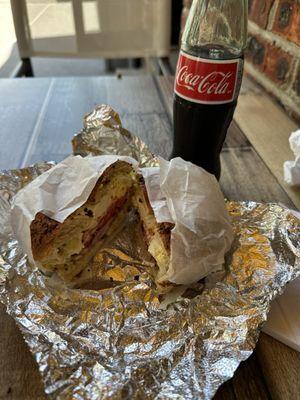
67 247
157 235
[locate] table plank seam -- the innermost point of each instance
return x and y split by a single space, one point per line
37 126
163 100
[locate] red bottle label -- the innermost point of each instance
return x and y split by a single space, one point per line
208 81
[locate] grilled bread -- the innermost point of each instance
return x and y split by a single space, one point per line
156 235
66 248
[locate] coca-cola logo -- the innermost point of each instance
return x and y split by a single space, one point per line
214 82
206 81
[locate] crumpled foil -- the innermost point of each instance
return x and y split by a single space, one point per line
119 342
103 134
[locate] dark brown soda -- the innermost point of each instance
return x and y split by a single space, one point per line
200 131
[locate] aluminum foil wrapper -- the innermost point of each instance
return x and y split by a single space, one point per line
117 341
103 134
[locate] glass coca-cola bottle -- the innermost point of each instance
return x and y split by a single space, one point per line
208 79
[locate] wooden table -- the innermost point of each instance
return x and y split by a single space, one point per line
38 118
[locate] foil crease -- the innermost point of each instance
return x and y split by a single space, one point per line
103 134
118 342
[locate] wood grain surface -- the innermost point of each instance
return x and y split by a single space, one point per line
268 128
19 375
281 368
37 121
40 116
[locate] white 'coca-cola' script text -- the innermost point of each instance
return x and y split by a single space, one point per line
215 82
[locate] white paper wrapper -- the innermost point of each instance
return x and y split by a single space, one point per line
284 318
156 197
295 142
292 172
291 169
179 192
202 233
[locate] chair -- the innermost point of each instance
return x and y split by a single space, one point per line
109 29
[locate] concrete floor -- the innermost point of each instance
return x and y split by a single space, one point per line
44 23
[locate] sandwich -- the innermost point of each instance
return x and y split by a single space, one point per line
67 248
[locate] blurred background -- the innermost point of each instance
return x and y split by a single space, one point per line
99 37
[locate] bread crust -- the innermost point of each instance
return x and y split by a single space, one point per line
44 230
163 228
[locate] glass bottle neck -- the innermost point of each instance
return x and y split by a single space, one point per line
211 51
216 29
